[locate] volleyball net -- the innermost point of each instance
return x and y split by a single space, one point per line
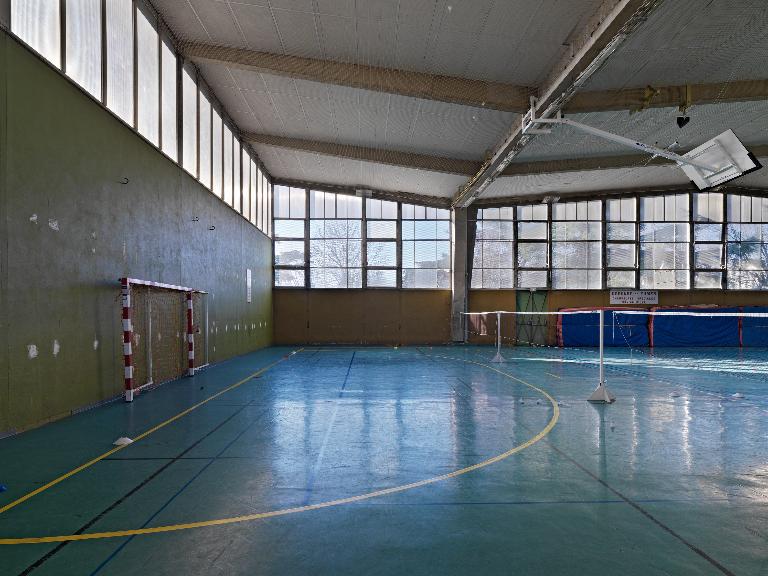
609 327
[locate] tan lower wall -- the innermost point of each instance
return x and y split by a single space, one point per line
489 300
389 317
407 317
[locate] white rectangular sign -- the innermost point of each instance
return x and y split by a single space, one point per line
634 296
248 285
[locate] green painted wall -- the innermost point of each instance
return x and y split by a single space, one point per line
70 228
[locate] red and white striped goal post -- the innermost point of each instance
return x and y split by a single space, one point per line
127 324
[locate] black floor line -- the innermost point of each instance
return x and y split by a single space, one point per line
186 485
40 561
632 503
642 511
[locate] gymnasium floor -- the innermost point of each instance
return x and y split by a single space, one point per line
652 484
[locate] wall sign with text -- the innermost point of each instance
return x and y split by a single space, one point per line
634 296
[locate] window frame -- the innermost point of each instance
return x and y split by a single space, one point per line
665 220
118 66
484 214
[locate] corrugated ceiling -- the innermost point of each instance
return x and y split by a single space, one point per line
512 41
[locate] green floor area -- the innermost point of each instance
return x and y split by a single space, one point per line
368 457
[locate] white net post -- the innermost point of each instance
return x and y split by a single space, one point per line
498 358
601 394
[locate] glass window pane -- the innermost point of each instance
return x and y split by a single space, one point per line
711 280
205 141
83 37
382 278
659 256
576 255
260 200
532 230
255 178
268 213
216 154
245 166
493 259
37 23
621 255
227 151
349 206
382 229
425 254
236 176
620 231
664 279
664 232
382 254
621 279
707 256
289 228
576 279
708 232
189 126
289 253
708 207
297 202
289 278
532 255
532 279
169 65
120 59
316 204
424 230
282 202
148 77
747 280
336 278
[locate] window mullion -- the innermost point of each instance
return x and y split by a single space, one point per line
399 246
63 35
104 53
549 245
307 280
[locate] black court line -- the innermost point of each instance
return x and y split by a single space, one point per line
186 485
642 510
634 504
40 561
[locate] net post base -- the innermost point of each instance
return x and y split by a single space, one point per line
601 395
498 359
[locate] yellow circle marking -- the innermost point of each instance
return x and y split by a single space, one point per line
139 437
285 511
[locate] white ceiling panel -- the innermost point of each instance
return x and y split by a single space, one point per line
512 41
692 42
311 167
301 109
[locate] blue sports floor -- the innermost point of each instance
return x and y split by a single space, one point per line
350 461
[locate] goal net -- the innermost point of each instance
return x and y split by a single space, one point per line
165 333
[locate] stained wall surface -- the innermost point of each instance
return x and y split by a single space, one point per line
70 227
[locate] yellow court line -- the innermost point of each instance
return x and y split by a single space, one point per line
554 375
285 511
139 437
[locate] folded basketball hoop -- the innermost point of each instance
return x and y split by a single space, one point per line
726 157
717 161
